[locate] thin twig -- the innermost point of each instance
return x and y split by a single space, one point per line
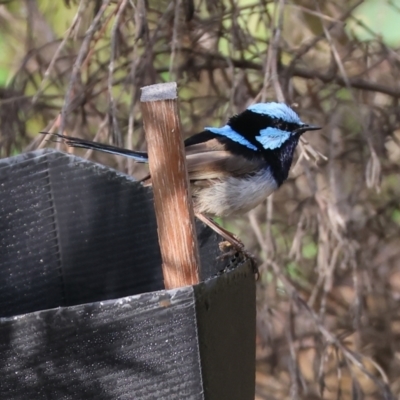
78 63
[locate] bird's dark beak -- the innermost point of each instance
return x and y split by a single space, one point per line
305 128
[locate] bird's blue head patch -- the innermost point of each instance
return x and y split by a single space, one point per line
272 138
276 110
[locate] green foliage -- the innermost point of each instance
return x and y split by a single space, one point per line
4 71
377 19
310 250
396 216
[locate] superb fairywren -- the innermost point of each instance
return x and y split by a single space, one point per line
234 168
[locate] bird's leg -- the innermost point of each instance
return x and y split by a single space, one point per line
229 237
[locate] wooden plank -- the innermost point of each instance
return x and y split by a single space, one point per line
173 205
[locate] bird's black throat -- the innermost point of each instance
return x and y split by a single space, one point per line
280 159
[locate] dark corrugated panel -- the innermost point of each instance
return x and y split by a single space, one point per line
142 347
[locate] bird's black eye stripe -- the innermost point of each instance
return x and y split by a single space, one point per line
284 126
280 124
249 123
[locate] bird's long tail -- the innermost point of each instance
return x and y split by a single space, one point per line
138 156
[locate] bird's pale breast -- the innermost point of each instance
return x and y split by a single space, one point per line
234 195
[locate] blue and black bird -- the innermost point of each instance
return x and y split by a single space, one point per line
234 168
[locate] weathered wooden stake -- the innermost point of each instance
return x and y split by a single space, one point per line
173 205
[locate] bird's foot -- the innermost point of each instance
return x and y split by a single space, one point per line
230 250
231 241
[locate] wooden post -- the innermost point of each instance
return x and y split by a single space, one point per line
172 200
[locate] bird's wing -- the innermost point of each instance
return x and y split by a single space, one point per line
207 146
201 141
218 164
